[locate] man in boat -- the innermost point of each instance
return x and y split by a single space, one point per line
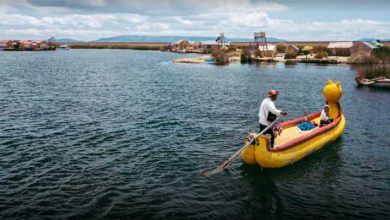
324 120
268 113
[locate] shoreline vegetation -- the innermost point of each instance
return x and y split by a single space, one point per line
245 52
120 45
376 71
354 53
377 75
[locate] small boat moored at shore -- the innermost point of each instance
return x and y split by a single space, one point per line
381 82
294 143
209 60
64 47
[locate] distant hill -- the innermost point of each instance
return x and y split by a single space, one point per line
372 39
146 38
68 40
269 39
367 39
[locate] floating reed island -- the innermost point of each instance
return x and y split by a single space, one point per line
290 52
222 52
302 52
26 45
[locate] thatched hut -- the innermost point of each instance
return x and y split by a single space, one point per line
208 46
268 50
42 44
292 49
4 44
180 46
27 45
363 49
197 47
340 48
307 49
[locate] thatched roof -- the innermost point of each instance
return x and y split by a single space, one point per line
307 48
293 46
180 41
209 42
270 47
347 44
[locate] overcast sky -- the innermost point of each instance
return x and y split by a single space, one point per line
290 20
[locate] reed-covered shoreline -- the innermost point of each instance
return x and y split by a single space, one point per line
376 71
162 45
119 45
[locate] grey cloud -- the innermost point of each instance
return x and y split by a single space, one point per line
147 7
67 3
236 18
46 3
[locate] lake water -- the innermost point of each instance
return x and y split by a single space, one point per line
126 134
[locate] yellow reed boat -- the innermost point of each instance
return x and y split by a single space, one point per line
294 144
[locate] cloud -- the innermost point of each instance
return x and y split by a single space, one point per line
71 21
67 3
37 33
345 29
88 20
19 19
162 7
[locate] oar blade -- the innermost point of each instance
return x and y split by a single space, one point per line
212 172
228 162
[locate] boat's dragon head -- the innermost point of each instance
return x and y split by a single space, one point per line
333 91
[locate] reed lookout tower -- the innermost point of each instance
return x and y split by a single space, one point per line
260 39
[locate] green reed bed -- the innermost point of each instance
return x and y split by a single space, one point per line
133 46
376 71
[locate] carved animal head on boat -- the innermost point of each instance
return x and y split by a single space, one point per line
333 91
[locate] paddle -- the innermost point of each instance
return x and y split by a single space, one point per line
225 164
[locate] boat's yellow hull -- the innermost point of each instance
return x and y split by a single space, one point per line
264 157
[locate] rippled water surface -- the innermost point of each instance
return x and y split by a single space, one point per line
126 134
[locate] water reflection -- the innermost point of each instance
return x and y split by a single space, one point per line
265 196
371 89
266 64
290 64
298 187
